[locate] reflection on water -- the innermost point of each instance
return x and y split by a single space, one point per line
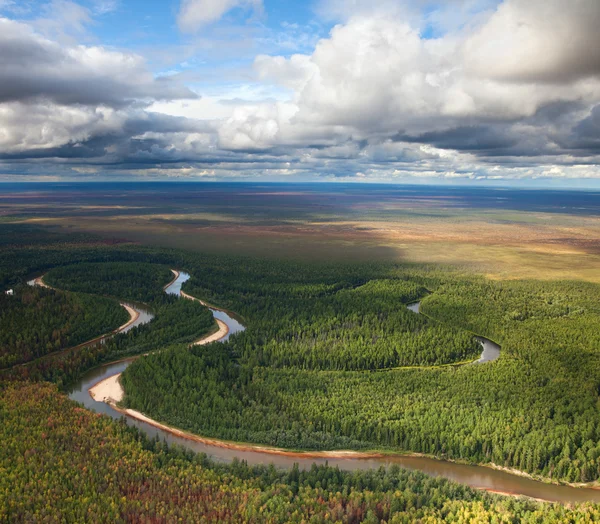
145 315
491 350
174 288
415 307
474 476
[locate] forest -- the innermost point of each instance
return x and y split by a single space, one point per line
536 409
331 359
75 466
138 282
175 321
37 321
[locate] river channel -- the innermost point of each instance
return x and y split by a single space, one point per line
479 477
491 350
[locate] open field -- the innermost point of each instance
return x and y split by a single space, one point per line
515 235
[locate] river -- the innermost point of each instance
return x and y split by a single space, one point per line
144 315
475 476
491 350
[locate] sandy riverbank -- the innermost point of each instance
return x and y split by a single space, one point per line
512 471
190 297
215 337
111 392
176 276
511 494
223 328
39 281
133 316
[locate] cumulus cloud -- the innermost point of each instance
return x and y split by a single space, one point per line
194 14
376 80
52 95
34 67
514 93
28 127
537 40
376 76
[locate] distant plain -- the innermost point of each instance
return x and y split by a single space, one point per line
500 233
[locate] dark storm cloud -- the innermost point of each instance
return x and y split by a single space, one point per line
475 139
79 102
589 129
557 128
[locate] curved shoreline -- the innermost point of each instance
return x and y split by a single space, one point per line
39 281
110 392
415 307
222 332
176 273
134 315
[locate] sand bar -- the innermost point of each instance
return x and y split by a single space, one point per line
108 390
215 337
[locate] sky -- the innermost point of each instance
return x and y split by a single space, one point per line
409 91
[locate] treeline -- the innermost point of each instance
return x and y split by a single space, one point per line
141 282
345 324
36 321
535 409
79 467
175 320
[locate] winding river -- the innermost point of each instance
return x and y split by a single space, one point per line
479 477
491 350
143 315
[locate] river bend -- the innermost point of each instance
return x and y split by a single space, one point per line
479 477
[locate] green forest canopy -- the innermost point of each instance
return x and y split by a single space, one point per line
536 408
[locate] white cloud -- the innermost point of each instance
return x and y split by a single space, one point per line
205 108
537 40
375 76
374 97
52 95
102 7
29 127
63 20
33 66
193 14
